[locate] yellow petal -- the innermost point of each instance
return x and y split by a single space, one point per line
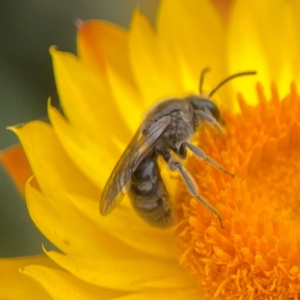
99 236
50 163
127 98
86 98
223 6
294 10
100 44
137 233
152 62
133 235
87 235
61 285
16 165
14 285
133 274
263 36
163 294
194 28
94 156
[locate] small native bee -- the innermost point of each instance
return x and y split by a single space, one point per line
168 126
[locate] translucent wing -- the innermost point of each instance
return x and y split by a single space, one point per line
119 181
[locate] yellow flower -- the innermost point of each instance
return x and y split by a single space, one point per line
117 76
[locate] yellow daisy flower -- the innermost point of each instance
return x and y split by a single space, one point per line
117 76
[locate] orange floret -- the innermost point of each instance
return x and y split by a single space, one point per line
257 255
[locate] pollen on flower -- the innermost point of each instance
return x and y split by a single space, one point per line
257 255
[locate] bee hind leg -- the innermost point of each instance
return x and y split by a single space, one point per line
190 183
200 153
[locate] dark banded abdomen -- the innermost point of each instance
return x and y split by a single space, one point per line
149 196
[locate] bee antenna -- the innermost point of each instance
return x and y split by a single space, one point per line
246 73
204 71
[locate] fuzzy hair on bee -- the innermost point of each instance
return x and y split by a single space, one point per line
165 132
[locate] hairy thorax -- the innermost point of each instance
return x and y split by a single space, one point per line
179 132
182 123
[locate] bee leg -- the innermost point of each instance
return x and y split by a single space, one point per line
181 152
200 153
190 183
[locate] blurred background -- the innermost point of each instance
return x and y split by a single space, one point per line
27 29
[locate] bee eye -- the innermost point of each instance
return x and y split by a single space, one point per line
204 104
214 111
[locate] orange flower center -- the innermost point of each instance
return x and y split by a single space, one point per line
257 255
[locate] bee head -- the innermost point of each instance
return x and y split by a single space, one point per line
203 106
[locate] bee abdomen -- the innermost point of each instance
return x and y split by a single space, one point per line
149 196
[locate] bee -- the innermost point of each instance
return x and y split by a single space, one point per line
164 132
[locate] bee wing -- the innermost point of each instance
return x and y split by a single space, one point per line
119 181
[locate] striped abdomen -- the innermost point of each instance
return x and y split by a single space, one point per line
149 196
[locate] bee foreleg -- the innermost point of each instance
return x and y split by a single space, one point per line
200 153
190 183
181 152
